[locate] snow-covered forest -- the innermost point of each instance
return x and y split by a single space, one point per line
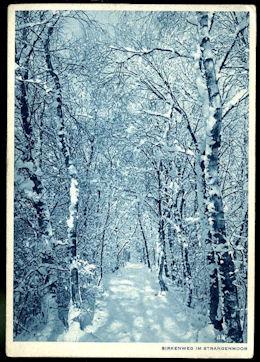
131 176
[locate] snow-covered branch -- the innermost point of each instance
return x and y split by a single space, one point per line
143 52
33 24
222 61
234 102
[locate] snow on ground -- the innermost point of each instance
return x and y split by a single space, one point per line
131 309
52 327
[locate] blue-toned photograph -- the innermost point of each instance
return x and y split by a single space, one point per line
131 176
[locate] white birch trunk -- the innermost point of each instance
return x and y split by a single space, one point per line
223 277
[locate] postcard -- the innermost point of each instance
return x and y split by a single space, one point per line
131 180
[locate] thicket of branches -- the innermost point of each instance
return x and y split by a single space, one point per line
131 144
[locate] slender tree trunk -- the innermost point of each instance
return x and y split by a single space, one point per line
72 173
224 263
103 244
188 274
177 213
170 238
117 252
161 246
144 238
32 166
161 260
185 255
169 264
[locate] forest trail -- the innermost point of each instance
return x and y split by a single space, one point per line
131 309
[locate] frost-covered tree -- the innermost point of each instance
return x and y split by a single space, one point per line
131 145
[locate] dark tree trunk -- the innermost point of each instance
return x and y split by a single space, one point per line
170 239
162 257
72 173
40 206
144 238
161 230
103 244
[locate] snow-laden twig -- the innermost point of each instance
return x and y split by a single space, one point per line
143 52
31 25
222 62
234 102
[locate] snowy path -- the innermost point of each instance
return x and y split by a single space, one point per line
131 310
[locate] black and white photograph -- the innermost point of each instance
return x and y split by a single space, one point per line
131 180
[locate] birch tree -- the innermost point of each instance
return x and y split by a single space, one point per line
131 146
223 276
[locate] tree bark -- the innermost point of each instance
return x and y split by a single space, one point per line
224 273
170 238
183 238
144 238
103 243
161 246
31 165
72 173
